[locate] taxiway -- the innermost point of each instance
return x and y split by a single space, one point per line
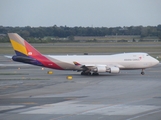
30 93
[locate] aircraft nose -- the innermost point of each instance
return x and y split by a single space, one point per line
155 62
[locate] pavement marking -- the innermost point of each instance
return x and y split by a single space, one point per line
70 107
27 103
139 116
122 110
9 107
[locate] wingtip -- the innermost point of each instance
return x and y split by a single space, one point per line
76 63
7 56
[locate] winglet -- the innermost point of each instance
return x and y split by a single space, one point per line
76 63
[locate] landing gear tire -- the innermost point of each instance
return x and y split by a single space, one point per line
85 73
142 72
95 73
89 73
82 73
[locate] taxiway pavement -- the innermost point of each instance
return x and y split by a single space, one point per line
31 93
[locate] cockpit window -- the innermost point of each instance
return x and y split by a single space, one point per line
147 55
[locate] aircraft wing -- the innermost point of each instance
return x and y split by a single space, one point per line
88 67
96 68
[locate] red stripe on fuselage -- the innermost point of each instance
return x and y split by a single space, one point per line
32 52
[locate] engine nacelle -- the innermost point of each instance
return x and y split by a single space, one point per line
114 70
100 69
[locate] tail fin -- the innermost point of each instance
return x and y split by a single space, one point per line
22 47
26 53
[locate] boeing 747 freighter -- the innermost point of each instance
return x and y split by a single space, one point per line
87 64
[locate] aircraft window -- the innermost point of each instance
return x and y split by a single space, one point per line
147 55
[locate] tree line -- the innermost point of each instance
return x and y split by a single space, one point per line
64 31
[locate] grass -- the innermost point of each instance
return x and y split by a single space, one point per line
153 48
88 49
68 50
26 79
14 74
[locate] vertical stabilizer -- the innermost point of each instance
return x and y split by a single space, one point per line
26 53
22 47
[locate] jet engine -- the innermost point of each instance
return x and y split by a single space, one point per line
114 70
100 69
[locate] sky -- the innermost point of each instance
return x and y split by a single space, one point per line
85 13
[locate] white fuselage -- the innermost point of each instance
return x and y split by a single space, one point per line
122 61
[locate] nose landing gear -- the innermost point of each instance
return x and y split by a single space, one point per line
142 72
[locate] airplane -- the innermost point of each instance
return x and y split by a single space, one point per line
86 64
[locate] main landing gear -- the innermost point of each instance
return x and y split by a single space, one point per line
142 72
85 73
89 73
